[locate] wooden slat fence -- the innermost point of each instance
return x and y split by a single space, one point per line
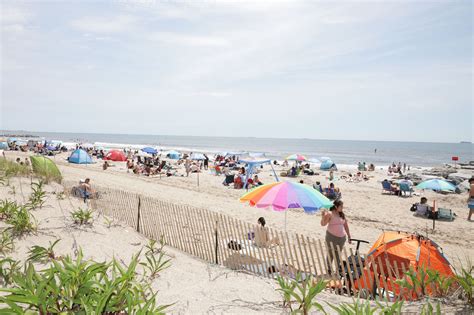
222 239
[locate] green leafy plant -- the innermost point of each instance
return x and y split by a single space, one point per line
60 195
153 264
6 242
21 221
10 168
38 195
42 254
465 279
109 222
8 268
7 208
302 292
441 286
358 307
416 282
429 309
82 216
76 286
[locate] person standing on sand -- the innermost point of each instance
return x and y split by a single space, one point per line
470 200
337 231
206 162
187 166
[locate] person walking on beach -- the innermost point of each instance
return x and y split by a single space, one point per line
337 231
470 200
206 162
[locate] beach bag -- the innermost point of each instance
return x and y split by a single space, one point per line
234 245
413 207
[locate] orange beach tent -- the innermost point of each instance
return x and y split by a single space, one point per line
395 252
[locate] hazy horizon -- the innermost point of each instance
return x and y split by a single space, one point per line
346 70
217 136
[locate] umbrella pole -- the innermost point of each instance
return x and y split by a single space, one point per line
433 213
285 218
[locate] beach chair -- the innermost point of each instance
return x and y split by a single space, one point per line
387 187
405 189
445 214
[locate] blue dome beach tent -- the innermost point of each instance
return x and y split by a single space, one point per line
326 165
174 155
80 156
3 145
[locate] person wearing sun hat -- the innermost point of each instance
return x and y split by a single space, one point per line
470 200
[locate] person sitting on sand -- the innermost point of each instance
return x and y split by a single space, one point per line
105 165
331 175
422 208
86 188
238 183
318 187
256 181
332 192
371 167
262 235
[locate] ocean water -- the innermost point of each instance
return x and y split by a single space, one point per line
345 152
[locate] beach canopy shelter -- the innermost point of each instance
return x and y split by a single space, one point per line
45 167
150 150
252 163
174 155
115 155
197 156
3 145
80 156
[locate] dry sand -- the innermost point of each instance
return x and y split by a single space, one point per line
198 287
368 210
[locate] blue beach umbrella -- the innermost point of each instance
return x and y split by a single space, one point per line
437 185
150 150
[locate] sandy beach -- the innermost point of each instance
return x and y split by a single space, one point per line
369 211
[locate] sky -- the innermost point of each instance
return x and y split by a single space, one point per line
372 70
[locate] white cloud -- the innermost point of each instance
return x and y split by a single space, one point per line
13 15
189 39
104 25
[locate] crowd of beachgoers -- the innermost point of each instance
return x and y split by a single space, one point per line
227 176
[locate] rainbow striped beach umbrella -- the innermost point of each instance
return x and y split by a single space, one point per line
286 195
296 157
